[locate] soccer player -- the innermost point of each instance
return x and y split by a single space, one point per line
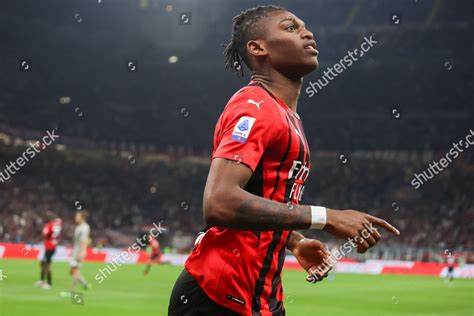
50 232
260 162
79 250
155 253
451 263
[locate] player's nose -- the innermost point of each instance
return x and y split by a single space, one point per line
307 34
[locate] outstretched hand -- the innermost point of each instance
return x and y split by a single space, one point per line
350 224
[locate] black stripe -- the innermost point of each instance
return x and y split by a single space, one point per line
255 183
279 309
255 186
257 233
283 159
267 262
275 238
275 305
301 152
308 152
275 187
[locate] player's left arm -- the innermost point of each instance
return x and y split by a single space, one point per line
46 232
293 240
311 254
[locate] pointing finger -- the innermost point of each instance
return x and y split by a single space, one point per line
382 223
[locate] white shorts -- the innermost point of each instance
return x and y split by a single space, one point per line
74 263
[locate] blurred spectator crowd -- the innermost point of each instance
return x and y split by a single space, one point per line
125 194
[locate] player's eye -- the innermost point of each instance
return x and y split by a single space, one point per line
290 27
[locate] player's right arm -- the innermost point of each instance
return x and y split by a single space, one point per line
243 134
227 204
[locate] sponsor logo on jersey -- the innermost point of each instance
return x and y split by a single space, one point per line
298 174
257 104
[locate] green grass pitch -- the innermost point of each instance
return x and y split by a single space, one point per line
128 292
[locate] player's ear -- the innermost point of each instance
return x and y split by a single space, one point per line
256 48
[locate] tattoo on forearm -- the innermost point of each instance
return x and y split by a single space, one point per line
262 214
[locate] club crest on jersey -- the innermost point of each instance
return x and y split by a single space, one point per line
242 129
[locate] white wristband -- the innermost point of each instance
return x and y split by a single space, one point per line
318 217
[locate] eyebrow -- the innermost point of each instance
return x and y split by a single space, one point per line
293 19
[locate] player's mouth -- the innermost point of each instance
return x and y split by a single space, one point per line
311 46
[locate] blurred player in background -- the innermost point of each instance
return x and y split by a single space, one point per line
50 232
451 262
155 257
81 241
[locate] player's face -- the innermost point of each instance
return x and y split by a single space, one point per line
291 47
78 218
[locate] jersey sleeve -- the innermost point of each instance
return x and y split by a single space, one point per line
46 232
246 131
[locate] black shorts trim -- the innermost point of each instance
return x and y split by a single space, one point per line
188 299
48 255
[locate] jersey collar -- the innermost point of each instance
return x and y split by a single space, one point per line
277 99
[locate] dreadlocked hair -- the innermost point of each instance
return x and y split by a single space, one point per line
244 28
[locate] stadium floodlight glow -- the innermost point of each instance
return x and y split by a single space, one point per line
60 147
64 100
5 139
143 3
173 59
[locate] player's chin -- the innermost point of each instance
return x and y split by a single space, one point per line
309 66
314 64
313 60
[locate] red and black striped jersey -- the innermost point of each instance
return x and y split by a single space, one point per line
241 270
51 231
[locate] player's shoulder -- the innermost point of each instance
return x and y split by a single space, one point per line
85 226
252 100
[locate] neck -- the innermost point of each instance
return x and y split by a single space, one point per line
285 88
